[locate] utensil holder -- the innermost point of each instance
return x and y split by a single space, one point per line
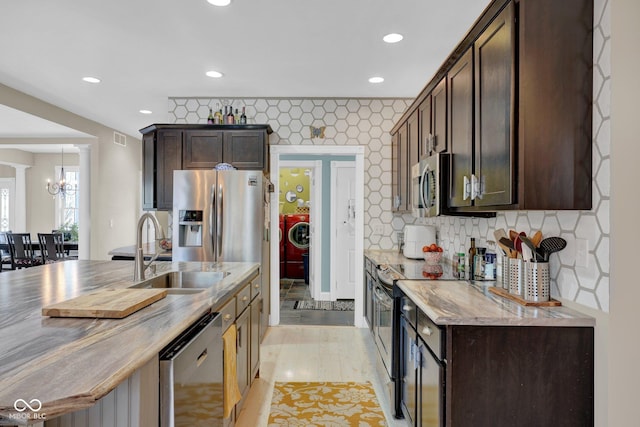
537 283
504 273
516 276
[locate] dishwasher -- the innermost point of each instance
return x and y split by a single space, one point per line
191 375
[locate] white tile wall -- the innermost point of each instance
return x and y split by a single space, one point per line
367 122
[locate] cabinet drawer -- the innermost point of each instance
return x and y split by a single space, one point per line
431 334
255 287
228 313
243 299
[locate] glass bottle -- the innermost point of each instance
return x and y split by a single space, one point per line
472 255
236 117
243 117
210 118
217 117
229 117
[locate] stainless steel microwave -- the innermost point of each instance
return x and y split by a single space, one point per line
428 179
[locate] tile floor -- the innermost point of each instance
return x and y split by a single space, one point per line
313 353
296 290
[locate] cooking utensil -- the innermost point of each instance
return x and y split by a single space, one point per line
528 242
551 245
536 238
517 242
499 234
513 235
507 246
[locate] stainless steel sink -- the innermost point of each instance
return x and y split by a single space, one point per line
183 282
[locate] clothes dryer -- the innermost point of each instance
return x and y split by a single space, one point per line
296 244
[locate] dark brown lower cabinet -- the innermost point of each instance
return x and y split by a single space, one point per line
519 376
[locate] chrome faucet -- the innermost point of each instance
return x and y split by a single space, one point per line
139 265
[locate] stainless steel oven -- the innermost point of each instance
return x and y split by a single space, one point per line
428 179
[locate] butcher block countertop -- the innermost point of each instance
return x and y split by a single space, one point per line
458 302
70 363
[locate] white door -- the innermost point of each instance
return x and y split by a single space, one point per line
343 185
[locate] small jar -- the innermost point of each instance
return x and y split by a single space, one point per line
490 261
478 263
459 265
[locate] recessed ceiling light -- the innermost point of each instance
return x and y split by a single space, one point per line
392 38
91 79
376 80
214 74
146 111
219 2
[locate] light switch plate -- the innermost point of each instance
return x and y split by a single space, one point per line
582 253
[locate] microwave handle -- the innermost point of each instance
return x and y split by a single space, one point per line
466 188
423 186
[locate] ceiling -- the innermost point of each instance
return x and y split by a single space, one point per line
147 51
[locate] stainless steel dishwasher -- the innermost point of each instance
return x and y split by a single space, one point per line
191 374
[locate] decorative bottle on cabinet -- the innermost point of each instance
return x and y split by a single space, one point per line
472 255
210 118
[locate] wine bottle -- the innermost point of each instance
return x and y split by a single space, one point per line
217 117
243 117
472 256
229 117
236 117
210 118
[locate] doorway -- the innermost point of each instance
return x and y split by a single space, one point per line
317 160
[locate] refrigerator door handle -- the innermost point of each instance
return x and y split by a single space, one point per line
219 225
212 225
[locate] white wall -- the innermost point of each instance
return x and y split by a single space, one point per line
115 176
624 347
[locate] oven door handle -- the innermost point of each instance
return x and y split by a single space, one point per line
381 297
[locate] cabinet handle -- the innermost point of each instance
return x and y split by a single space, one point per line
396 202
476 187
226 317
427 331
406 308
257 285
466 188
245 298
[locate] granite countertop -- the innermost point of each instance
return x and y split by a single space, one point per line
460 302
70 363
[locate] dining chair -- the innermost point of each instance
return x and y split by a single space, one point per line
5 253
51 247
22 251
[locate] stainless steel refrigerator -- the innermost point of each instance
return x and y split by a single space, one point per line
218 215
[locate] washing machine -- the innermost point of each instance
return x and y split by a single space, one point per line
281 244
296 233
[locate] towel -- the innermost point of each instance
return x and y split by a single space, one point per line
230 382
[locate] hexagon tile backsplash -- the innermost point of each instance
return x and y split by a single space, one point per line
367 122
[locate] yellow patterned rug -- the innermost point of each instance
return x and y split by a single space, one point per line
325 404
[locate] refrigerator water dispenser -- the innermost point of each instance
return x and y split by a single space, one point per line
190 228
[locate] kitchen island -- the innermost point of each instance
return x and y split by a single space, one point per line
68 364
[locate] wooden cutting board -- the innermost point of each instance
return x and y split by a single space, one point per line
105 303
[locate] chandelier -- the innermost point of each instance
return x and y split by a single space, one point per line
61 187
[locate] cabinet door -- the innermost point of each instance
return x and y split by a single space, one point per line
424 113
461 130
202 149
242 357
439 117
494 112
413 143
245 149
399 168
148 171
168 159
254 353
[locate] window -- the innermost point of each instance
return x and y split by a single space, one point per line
67 207
7 186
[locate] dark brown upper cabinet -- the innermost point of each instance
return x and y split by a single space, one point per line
169 147
518 108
